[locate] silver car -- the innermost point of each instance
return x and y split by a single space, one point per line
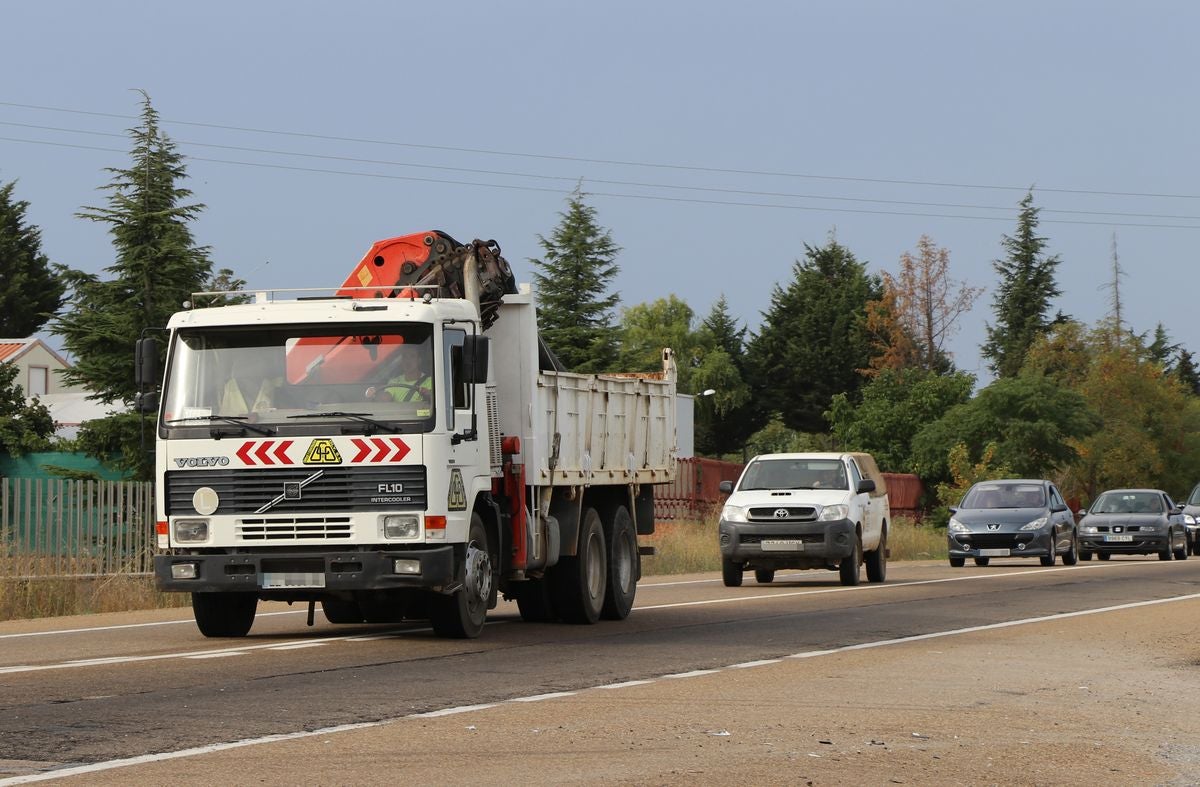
1133 522
1012 518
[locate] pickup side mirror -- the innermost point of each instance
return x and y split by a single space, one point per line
866 485
726 487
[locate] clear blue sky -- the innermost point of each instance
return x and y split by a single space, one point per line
744 131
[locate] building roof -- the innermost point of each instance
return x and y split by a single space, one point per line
13 349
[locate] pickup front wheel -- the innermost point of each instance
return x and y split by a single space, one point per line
877 560
848 568
731 573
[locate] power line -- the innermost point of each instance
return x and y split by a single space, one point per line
616 162
661 198
608 182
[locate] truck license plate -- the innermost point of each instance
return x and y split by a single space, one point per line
293 579
782 545
1118 538
995 552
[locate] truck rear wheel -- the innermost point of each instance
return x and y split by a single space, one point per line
224 614
622 567
580 580
462 614
534 601
337 610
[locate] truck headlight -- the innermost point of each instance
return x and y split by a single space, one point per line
190 531
1036 524
834 512
401 526
733 513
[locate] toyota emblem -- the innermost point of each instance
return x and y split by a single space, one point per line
781 513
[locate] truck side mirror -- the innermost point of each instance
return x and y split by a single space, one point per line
475 359
146 402
726 487
145 363
866 485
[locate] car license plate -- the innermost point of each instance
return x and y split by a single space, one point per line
995 552
293 579
1118 538
782 545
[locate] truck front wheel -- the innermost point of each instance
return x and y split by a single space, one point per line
461 614
580 580
224 614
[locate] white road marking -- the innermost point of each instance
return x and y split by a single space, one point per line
219 655
299 645
217 747
134 625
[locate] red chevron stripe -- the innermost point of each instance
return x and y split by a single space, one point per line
261 452
280 453
363 450
243 453
402 449
382 447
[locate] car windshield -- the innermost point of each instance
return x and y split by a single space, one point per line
1128 503
992 495
794 474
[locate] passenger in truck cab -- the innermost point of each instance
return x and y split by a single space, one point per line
251 387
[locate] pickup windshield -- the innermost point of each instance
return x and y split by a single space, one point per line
794 474
302 378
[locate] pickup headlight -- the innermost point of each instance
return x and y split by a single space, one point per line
834 512
1037 524
733 513
957 527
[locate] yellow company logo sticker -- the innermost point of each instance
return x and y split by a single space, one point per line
322 451
456 500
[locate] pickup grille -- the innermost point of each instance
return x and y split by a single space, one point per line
792 514
245 491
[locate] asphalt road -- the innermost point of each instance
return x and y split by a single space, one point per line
91 690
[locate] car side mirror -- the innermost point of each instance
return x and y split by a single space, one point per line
866 485
726 487
1059 509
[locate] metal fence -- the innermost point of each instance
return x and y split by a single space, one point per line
694 492
61 528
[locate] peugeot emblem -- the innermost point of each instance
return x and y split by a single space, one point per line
781 513
993 526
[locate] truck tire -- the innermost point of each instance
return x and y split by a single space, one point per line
764 576
224 614
534 601
461 615
580 579
622 567
338 611
848 568
731 573
877 559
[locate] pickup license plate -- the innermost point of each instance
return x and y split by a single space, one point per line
1118 538
782 545
995 552
293 579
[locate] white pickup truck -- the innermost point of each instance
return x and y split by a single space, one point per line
801 511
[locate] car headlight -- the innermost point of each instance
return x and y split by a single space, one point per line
190 531
401 526
957 527
1188 519
834 512
1089 529
1150 527
733 513
1036 524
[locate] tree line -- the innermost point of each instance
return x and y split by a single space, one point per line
842 359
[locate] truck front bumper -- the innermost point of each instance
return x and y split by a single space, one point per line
792 545
292 573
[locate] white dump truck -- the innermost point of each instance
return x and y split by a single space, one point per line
401 448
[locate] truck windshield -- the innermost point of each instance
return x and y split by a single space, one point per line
795 474
301 377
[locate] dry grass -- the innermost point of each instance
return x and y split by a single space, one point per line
684 546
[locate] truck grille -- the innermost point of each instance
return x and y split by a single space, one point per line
246 490
289 529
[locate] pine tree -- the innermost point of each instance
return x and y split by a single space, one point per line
29 291
1022 299
157 267
813 342
575 315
